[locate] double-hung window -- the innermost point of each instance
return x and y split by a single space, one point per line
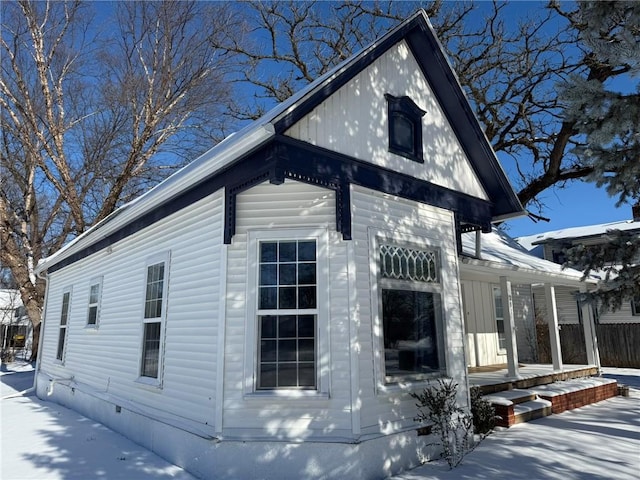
95 294
153 317
287 314
64 323
287 330
411 311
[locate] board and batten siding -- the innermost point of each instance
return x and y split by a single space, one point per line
106 360
389 408
267 415
480 318
353 121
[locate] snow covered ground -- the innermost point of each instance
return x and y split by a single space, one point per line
42 440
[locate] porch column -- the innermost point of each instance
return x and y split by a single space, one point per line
590 337
509 328
554 331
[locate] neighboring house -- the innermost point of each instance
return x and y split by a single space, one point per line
15 325
618 332
552 246
266 311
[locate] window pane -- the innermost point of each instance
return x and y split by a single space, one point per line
61 337
268 252
287 274
93 315
268 326
307 297
65 308
306 350
268 350
306 274
151 350
287 297
287 351
287 252
268 274
94 293
268 377
268 298
287 375
410 334
403 133
307 251
307 375
306 326
287 325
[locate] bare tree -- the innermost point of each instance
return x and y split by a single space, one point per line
509 62
92 113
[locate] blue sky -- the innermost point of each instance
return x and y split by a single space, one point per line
578 204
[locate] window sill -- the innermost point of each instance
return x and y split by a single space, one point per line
286 394
91 328
151 384
403 385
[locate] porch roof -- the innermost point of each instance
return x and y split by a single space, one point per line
501 255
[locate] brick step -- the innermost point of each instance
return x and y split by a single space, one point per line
518 405
526 411
508 397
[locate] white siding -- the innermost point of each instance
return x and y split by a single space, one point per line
389 408
269 207
353 121
106 360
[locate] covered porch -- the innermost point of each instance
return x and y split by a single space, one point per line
497 277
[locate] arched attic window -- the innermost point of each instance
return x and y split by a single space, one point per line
405 127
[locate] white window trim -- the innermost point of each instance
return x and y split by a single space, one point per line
254 237
384 383
164 257
500 350
635 307
65 348
98 304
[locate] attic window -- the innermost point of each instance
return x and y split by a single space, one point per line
405 127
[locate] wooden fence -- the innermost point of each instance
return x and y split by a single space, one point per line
619 344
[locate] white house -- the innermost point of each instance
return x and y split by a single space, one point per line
265 311
15 326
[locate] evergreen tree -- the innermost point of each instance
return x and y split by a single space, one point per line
605 109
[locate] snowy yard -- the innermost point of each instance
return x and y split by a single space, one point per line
42 440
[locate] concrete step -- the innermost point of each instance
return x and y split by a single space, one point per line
526 411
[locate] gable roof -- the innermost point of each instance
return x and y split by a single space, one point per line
419 35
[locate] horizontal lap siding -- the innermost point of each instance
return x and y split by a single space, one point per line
108 358
270 207
388 411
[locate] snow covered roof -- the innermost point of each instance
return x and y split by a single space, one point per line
502 255
530 241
